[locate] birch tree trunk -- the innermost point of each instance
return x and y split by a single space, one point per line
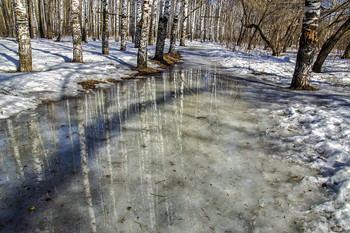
174 28
23 36
49 14
184 23
142 53
76 29
86 22
138 23
124 19
153 22
60 20
162 29
117 12
105 32
307 45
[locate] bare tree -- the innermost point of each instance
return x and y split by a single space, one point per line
124 23
142 52
162 29
174 27
23 36
307 45
105 32
76 30
184 23
329 45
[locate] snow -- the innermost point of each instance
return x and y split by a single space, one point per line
321 119
315 126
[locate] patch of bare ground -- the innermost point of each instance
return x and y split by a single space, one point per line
306 88
90 84
170 59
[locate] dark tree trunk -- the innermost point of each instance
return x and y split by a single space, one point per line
347 52
162 30
329 45
307 45
105 32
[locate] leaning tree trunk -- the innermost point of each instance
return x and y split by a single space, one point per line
124 28
105 32
174 28
142 53
346 52
162 29
329 45
307 45
184 23
23 36
77 42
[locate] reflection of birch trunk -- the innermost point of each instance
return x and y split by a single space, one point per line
145 156
71 136
84 165
36 152
16 156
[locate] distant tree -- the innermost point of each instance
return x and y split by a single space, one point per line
307 45
60 20
162 29
105 28
329 45
76 30
124 23
142 52
23 36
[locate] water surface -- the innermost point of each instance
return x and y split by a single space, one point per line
179 152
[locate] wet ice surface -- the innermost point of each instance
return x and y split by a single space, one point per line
177 153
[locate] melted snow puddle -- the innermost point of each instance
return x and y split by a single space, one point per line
177 153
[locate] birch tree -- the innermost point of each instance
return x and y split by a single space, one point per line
174 27
105 32
184 23
139 13
124 18
307 45
142 52
76 30
60 20
162 29
153 22
23 36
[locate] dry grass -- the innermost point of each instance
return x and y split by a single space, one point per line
90 84
170 59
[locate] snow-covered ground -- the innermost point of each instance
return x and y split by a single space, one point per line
320 120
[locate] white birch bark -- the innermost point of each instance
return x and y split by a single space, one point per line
60 20
142 52
307 45
117 12
153 22
174 27
184 23
23 36
162 29
86 21
105 32
124 18
138 23
76 29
